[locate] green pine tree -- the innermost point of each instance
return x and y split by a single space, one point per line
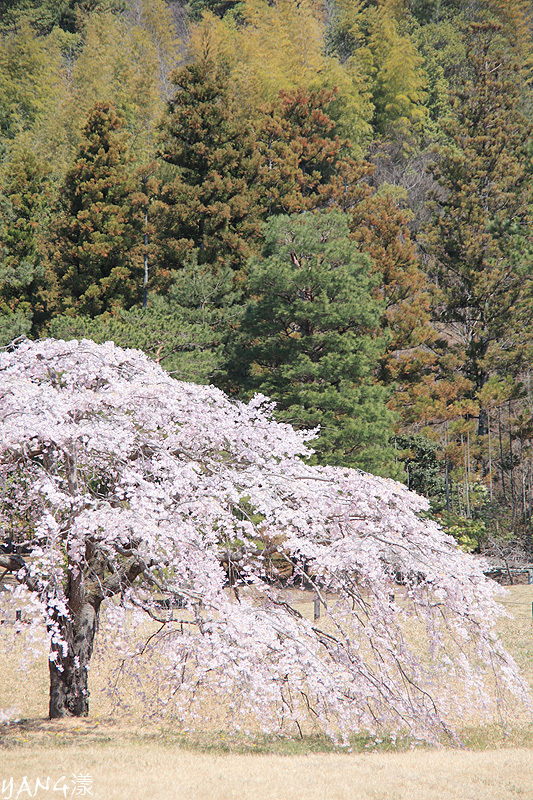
23 211
183 329
209 201
310 339
98 228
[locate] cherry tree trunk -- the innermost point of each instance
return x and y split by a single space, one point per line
69 664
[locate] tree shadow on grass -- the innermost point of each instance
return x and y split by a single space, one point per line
41 732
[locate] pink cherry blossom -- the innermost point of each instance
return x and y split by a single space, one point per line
121 483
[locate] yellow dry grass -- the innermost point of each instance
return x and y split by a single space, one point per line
156 772
127 758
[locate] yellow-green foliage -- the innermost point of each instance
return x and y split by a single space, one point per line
281 46
27 85
126 61
371 37
49 83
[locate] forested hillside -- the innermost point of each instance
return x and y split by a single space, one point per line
330 203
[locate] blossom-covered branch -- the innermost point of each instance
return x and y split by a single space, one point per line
120 481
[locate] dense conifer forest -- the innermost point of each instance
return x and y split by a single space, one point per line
329 203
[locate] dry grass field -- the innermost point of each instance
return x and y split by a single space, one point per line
157 772
112 756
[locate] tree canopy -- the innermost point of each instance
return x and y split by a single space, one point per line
98 228
122 482
310 337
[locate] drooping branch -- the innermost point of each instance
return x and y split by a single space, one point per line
172 490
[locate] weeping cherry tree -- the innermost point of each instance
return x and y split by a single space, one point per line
126 489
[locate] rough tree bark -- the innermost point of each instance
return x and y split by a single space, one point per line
69 663
73 634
